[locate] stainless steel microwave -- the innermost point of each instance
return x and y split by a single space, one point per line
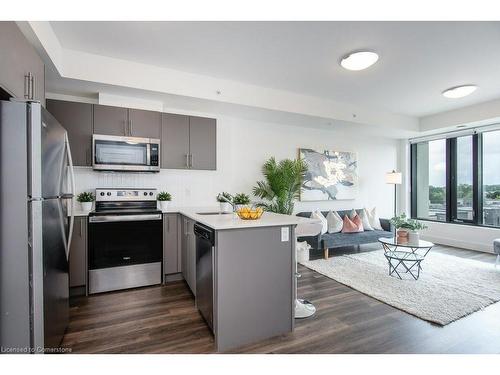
117 153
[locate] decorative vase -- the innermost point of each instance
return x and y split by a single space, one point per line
402 233
86 206
413 236
164 205
226 207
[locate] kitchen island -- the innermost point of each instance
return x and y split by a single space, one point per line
253 276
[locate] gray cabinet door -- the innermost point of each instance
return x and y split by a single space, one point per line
78 253
174 141
110 120
171 251
203 143
188 249
17 59
146 124
77 120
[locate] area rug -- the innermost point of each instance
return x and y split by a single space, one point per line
448 289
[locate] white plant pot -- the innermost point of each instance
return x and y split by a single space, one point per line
225 207
86 206
164 205
413 237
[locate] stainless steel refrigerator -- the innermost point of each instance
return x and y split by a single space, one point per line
36 191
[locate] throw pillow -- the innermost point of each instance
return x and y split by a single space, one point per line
318 215
357 221
349 225
374 219
335 222
352 213
364 219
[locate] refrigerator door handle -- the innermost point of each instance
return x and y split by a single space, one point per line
70 196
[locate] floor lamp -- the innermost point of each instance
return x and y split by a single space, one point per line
394 178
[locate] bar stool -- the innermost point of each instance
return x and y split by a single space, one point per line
304 308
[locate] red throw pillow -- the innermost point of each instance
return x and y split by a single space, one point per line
349 225
358 222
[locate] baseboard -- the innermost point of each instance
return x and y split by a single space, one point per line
476 246
173 277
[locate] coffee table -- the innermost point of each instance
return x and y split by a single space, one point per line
404 256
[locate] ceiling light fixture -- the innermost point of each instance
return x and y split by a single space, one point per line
459 91
359 60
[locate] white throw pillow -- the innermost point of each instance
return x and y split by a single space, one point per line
318 215
363 214
352 213
373 218
335 222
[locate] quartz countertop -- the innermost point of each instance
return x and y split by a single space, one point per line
228 221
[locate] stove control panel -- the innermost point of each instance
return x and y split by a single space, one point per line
121 194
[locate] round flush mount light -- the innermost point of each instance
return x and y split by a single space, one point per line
359 60
459 91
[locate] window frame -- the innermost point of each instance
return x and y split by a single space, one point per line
451 188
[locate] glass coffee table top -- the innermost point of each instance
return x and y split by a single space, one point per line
405 243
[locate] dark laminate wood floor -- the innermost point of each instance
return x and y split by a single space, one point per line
164 320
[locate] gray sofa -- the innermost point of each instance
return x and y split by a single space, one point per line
335 240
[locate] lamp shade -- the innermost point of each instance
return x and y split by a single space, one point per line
394 178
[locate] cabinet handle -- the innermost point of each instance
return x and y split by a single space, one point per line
130 128
168 223
125 124
190 160
32 86
187 160
87 154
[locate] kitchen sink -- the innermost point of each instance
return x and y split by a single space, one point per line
214 213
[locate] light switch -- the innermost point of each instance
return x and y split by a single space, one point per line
285 234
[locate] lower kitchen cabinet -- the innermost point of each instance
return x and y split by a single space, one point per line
171 248
78 254
188 250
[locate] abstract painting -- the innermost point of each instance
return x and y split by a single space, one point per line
330 175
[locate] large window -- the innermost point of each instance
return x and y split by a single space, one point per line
457 179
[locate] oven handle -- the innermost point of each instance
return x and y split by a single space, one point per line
117 218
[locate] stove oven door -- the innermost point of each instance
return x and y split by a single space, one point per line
125 251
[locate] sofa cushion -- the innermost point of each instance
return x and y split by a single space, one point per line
350 239
318 215
373 218
335 222
365 220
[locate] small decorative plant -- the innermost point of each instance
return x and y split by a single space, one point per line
226 202
241 199
86 198
164 196
404 225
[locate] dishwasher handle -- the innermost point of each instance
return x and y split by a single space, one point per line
204 232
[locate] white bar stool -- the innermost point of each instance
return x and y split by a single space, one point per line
304 308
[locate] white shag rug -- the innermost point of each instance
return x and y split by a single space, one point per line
448 289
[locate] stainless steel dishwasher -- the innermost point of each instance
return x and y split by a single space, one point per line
205 242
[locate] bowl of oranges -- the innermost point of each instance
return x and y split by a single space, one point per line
249 213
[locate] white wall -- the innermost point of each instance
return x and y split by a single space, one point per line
243 146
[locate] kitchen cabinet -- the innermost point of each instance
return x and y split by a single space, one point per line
188 142
188 249
175 141
145 124
171 248
17 60
110 120
202 143
78 253
77 120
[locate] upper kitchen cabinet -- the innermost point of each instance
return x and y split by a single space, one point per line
188 142
202 143
110 120
77 120
146 124
175 141
22 72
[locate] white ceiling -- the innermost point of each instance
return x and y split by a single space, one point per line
418 60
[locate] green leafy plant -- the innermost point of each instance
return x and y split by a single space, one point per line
164 196
282 185
241 198
403 222
224 198
86 196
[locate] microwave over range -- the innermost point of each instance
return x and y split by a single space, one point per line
118 153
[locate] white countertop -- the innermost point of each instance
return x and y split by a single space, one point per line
228 221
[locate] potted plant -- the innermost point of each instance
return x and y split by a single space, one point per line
164 197
86 198
282 185
240 200
226 202
414 227
407 228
